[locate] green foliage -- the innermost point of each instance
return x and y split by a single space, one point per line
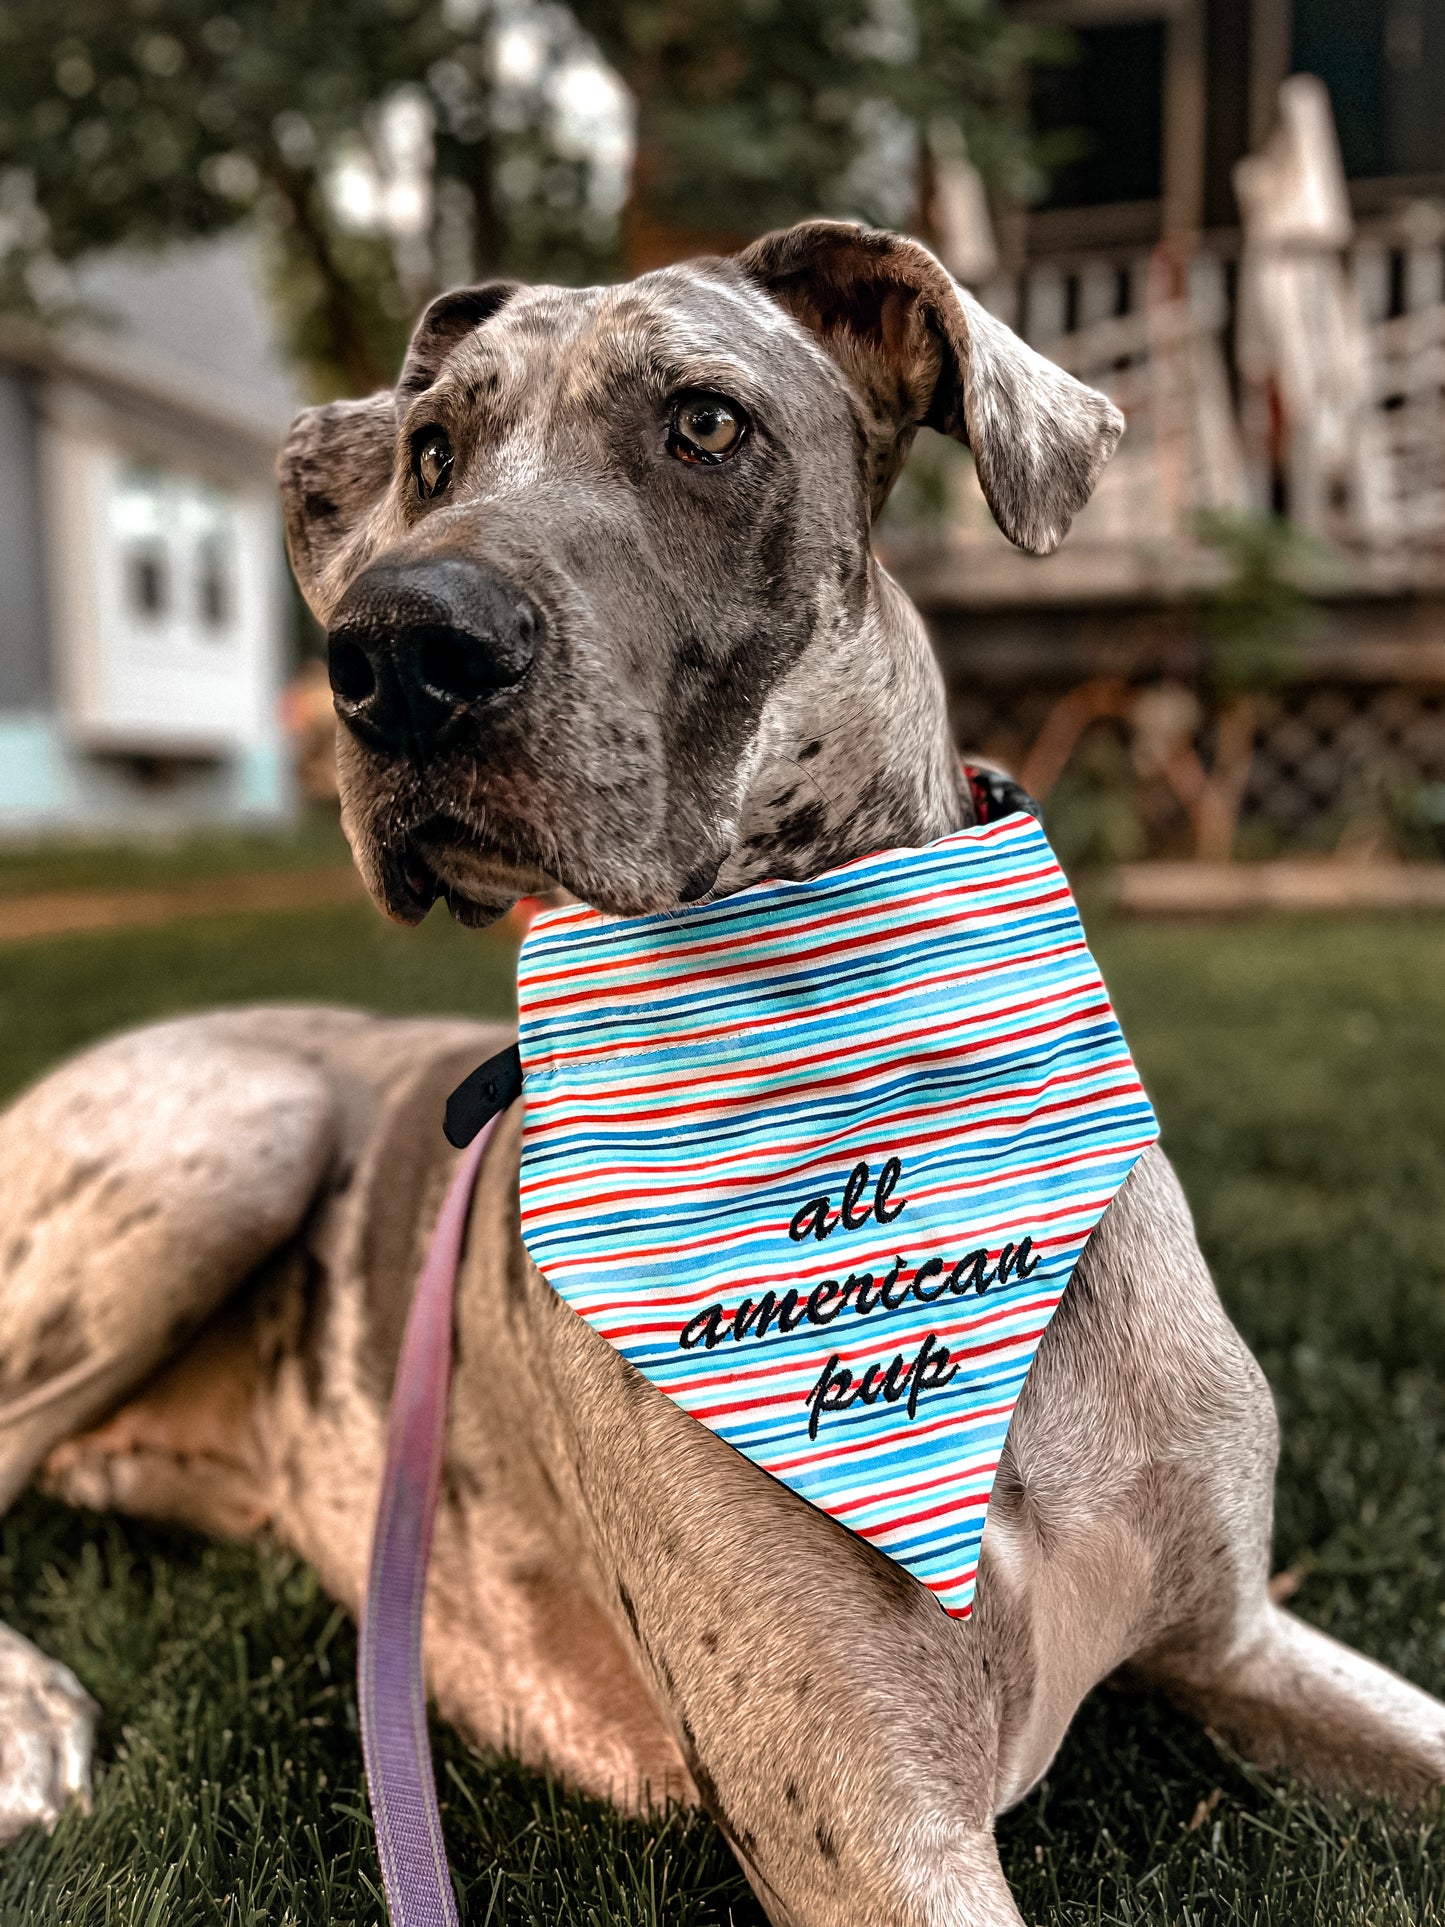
1417 815
1299 1071
755 113
143 121
925 498
1253 622
1092 813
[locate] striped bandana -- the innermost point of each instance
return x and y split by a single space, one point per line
819 1160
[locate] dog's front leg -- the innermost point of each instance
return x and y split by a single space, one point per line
841 1728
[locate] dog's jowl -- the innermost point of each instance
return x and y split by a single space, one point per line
604 617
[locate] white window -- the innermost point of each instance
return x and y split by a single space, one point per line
176 541
165 590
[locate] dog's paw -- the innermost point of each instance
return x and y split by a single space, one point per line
47 1731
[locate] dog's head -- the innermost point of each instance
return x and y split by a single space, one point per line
597 575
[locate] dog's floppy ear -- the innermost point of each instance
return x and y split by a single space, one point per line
337 462
449 319
922 353
334 468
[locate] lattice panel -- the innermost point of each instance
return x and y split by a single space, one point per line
1322 749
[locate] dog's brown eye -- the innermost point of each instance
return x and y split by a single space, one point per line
432 463
705 428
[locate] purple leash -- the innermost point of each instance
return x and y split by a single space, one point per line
390 1683
391 1686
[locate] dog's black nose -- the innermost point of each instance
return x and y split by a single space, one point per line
417 648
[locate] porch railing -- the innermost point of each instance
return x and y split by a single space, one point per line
1160 332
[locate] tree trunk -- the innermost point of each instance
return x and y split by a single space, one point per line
1216 816
348 346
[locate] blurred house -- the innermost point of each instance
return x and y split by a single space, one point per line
144 620
1256 271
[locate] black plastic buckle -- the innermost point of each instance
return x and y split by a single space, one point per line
996 795
490 1088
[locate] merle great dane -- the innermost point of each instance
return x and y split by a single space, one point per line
604 615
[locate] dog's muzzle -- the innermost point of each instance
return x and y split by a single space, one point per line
421 650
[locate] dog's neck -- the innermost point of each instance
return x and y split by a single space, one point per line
853 753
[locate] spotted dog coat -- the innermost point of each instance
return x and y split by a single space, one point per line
587 662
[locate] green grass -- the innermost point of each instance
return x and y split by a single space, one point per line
55 863
54 997
1299 1070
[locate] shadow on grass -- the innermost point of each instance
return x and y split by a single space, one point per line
231 1787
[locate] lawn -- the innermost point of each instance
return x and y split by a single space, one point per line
1299 1071
55 863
